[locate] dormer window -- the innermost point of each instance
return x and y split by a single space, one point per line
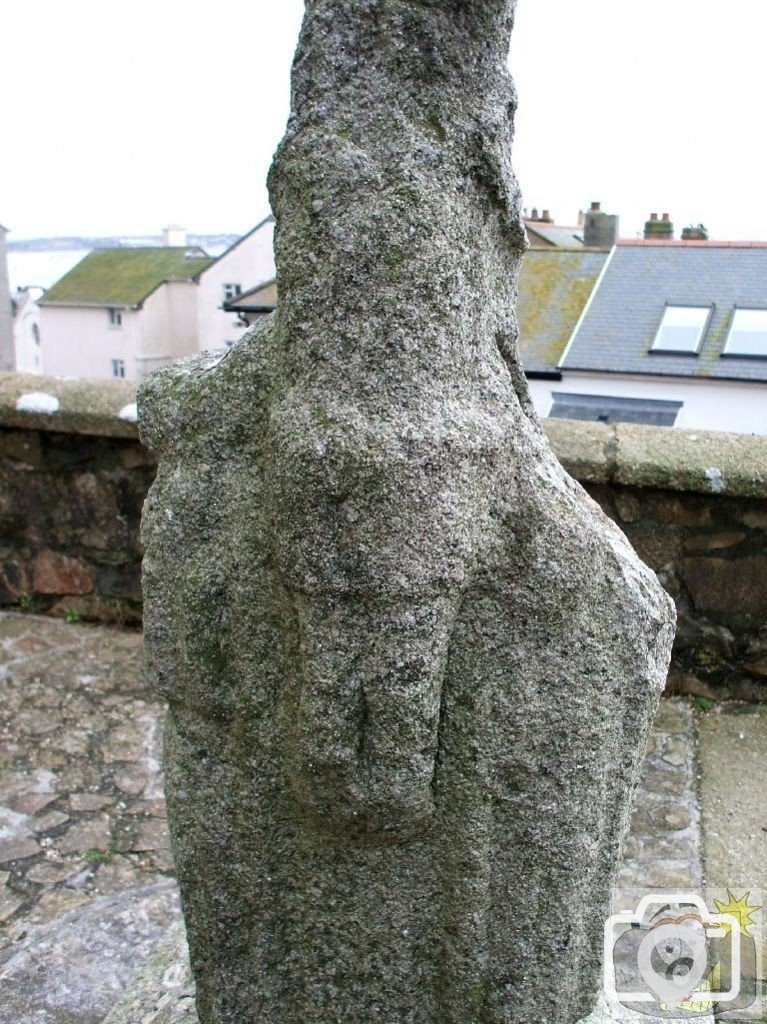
682 329
748 333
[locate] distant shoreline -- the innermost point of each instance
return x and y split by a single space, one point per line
75 243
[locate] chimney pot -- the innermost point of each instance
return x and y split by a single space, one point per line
600 230
174 235
661 229
695 233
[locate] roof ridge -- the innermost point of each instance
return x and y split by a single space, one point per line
665 243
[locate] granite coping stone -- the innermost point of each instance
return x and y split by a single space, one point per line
706 462
68 405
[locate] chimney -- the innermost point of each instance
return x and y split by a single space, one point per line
546 218
662 228
534 213
695 233
600 230
174 235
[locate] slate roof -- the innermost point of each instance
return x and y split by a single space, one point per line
125 277
641 277
554 286
554 234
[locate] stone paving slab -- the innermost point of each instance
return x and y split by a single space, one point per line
732 762
57 972
82 818
733 769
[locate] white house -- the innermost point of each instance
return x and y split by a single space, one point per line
125 312
6 314
26 331
122 312
246 263
674 333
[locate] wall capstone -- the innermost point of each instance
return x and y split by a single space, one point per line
74 406
693 504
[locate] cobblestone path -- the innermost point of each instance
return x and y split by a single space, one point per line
82 818
81 805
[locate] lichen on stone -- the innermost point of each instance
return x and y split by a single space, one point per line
410 665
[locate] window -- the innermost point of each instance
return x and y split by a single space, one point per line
115 317
231 291
614 409
681 329
118 367
36 334
748 333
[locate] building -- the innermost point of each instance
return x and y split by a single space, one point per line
543 233
674 333
7 359
255 304
123 312
594 230
26 330
554 287
235 273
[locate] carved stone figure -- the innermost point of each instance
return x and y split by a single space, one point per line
410 665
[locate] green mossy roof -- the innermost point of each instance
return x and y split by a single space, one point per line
554 286
124 277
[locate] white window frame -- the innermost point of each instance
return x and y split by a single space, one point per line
742 313
668 314
232 291
115 317
118 368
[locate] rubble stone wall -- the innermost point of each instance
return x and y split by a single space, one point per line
73 477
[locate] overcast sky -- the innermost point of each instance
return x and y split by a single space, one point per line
121 118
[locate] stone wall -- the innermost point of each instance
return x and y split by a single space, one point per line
73 476
694 505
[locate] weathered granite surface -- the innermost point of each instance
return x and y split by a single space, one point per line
411 666
693 505
163 990
41 663
73 968
662 852
68 405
